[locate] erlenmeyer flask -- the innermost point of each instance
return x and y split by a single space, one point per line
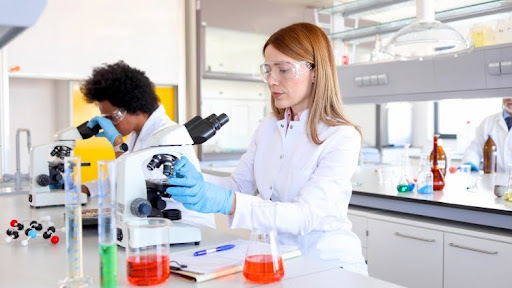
263 262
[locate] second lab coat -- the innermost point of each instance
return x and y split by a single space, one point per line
310 184
496 126
157 121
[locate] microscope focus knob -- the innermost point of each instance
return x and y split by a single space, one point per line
140 207
43 180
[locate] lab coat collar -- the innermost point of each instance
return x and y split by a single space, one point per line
303 119
501 121
148 127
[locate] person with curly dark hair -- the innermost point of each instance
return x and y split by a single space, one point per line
129 106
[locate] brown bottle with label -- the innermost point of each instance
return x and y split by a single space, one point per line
442 162
490 156
436 170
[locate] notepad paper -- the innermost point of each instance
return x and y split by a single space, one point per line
218 264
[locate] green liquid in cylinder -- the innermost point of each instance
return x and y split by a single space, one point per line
108 270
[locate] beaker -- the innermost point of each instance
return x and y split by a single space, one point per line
147 251
425 179
263 262
107 223
72 188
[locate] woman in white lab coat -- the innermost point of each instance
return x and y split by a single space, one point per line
129 106
496 126
302 156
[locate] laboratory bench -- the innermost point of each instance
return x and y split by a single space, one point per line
374 186
41 264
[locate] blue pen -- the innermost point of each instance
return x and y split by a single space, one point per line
217 249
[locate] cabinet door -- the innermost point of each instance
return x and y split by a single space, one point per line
474 262
405 255
359 226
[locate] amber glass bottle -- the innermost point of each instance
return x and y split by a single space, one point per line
490 156
436 171
442 162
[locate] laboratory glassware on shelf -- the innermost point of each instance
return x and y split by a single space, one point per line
490 156
405 184
436 171
72 188
107 223
263 262
147 258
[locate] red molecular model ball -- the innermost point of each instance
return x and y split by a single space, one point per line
14 222
54 239
452 169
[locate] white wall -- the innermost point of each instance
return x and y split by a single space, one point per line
72 37
363 115
39 105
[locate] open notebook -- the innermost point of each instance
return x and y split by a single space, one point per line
218 264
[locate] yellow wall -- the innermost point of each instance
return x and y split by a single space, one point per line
94 149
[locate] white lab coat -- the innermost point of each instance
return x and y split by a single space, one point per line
157 121
497 127
310 184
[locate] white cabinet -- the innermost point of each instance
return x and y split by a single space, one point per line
359 227
405 255
474 262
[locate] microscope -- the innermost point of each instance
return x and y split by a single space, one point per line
140 198
47 166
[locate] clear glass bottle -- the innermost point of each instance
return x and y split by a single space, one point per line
425 180
263 262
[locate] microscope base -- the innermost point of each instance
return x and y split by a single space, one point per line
52 198
180 233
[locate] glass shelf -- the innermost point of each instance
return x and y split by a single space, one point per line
445 16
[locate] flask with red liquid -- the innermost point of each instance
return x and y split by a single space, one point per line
263 262
436 171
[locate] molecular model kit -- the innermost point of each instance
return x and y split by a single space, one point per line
32 230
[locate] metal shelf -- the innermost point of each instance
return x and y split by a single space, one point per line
231 76
451 15
360 6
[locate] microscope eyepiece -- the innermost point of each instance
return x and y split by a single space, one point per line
201 130
87 132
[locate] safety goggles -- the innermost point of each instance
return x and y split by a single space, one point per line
115 116
284 70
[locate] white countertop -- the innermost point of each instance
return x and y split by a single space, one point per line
41 264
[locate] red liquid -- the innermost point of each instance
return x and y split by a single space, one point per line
261 269
148 269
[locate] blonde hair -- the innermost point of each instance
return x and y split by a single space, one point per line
308 42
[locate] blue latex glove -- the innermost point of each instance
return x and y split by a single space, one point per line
183 168
201 196
473 166
109 130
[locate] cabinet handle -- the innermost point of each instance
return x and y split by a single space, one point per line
414 237
473 249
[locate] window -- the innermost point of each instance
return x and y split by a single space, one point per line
451 115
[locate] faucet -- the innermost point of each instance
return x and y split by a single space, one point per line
18 176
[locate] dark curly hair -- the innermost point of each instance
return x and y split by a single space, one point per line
123 86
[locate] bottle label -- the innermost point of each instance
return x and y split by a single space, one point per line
441 163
